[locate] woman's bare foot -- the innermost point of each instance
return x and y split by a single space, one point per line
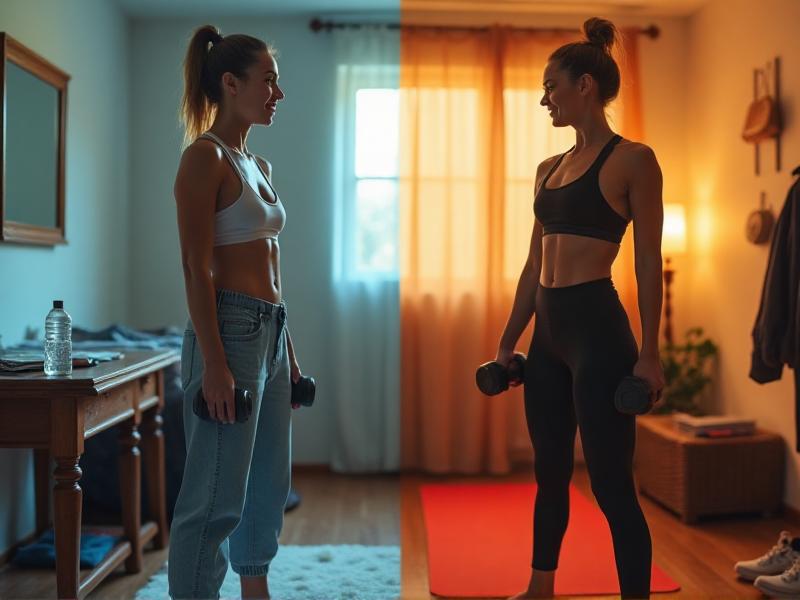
540 586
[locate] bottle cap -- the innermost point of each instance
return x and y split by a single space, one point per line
58 304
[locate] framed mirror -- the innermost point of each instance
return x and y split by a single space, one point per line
33 95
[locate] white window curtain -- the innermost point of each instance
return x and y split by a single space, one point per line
365 346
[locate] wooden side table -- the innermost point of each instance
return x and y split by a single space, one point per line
697 477
54 415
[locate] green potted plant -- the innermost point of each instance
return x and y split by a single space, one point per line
686 372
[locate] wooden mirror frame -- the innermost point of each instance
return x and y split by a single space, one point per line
27 59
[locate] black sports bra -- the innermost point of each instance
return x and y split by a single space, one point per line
579 207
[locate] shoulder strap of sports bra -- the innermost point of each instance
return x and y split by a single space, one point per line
554 167
225 150
605 152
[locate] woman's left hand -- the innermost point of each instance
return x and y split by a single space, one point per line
296 374
649 368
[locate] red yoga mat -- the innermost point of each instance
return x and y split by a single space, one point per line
480 538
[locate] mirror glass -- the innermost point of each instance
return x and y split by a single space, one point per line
33 98
32 127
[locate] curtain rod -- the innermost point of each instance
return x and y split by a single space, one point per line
316 25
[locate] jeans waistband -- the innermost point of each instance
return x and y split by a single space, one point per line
232 298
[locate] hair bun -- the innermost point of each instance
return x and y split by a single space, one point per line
600 32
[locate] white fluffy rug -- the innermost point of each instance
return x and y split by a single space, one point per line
346 572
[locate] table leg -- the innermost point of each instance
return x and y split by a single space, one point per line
154 469
130 472
41 483
67 497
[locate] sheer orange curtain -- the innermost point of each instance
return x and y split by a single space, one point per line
471 137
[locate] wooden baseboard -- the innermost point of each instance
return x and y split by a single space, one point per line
328 470
312 468
791 513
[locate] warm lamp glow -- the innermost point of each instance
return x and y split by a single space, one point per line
673 237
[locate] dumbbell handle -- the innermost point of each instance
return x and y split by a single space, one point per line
516 368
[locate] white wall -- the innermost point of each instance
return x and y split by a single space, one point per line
89 40
723 273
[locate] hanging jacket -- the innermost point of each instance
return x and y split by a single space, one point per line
776 333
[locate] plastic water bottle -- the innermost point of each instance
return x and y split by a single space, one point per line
58 341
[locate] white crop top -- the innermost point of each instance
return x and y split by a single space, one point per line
250 217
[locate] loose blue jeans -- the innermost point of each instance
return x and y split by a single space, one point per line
237 475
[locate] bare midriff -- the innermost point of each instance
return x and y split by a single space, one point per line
252 268
569 259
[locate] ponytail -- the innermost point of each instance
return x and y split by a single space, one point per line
197 112
209 56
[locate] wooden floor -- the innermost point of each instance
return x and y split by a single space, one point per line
386 510
335 509
699 557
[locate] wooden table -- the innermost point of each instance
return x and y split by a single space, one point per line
54 415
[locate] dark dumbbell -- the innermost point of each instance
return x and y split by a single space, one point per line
633 396
493 378
243 401
303 391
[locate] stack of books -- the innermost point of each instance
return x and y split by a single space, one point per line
714 426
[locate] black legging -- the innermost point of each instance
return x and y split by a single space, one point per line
582 346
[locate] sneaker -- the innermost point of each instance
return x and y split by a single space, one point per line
779 558
785 585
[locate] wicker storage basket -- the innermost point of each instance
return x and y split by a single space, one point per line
696 477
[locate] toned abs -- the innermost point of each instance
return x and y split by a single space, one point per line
570 259
252 268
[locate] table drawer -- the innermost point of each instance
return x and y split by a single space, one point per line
110 408
148 387
148 391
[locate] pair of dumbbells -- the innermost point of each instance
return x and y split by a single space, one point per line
633 395
303 392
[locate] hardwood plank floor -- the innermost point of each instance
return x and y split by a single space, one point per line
385 510
335 509
700 557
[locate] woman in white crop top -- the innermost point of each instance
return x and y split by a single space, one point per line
237 474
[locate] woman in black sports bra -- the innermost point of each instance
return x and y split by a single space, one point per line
582 343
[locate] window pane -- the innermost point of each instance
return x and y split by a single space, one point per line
377 131
376 216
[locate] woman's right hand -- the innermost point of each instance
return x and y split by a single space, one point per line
504 356
218 390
